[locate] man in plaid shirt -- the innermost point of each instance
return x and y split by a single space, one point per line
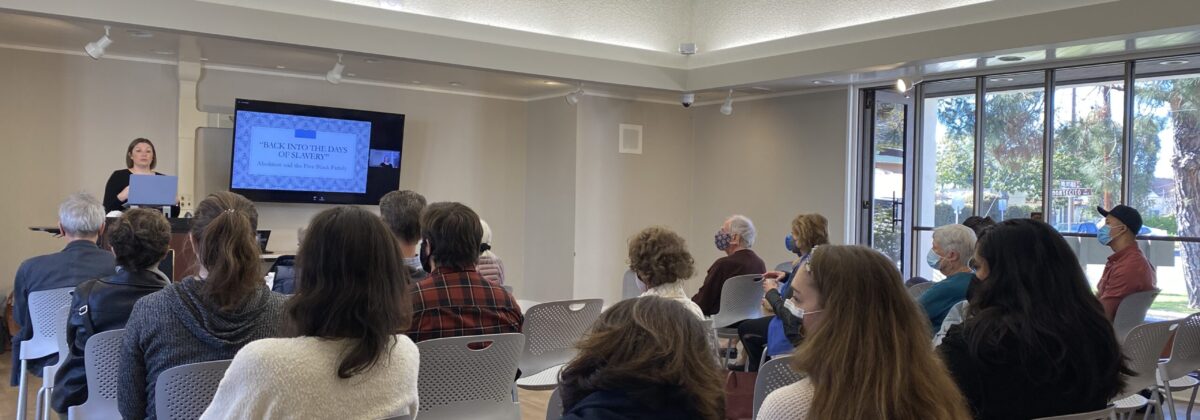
454 300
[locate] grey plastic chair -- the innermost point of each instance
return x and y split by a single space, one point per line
1142 347
61 316
184 392
1173 375
48 312
773 375
1105 414
919 289
741 299
456 381
554 407
1132 312
629 285
102 357
785 266
551 330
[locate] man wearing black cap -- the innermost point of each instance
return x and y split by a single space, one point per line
1127 271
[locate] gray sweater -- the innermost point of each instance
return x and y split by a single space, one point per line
177 326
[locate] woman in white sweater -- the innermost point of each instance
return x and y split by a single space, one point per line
349 358
662 262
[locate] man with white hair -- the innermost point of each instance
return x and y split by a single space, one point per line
81 221
735 239
953 247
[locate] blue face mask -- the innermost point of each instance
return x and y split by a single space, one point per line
933 259
1105 235
722 240
790 243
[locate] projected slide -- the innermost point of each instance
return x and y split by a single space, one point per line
299 153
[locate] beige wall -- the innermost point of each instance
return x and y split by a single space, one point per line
619 194
771 160
65 122
456 148
550 200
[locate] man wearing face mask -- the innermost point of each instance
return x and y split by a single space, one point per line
734 239
1127 270
952 248
455 300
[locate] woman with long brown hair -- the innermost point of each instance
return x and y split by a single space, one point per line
866 351
646 357
203 318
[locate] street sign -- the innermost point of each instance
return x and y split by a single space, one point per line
1072 192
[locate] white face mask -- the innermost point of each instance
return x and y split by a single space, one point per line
797 311
414 262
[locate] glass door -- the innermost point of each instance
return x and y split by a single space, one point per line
887 122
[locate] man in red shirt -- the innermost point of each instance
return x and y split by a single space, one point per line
454 300
1127 271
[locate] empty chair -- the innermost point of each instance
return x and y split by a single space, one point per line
1142 346
102 356
1105 414
741 299
1132 312
785 266
919 289
184 392
551 330
773 374
1185 358
554 408
48 310
629 285
469 377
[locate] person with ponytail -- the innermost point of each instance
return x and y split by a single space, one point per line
348 318
203 318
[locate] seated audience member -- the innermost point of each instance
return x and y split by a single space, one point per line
662 263
953 246
1127 270
349 357
735 239
915 281
490 266
204 318
401 211
81 221
862 364
979 224
139 239
779 333
1035 342
455 300
645 358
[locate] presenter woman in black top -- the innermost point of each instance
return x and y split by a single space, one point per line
140 159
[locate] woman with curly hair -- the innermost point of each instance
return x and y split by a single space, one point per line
645 358
662 262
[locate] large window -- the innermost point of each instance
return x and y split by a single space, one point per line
948 152
1013 139
1089 113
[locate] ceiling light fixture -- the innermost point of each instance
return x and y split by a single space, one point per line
96 49
455 84
1000 79
1173 62
727 107
573 97
281 67
1010 58
370 60
822 82
335 75
904 85
135 33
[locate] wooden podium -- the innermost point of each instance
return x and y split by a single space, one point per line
181 259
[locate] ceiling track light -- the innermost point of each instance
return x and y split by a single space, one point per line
906 85
335 75
573 97
96 49
727 107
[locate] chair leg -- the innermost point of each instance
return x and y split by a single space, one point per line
1192 401
1170 399
22 390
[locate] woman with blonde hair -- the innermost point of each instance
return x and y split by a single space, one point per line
866 352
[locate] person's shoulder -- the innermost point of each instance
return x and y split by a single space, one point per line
120 173
791 401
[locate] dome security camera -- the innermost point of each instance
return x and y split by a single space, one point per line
687 99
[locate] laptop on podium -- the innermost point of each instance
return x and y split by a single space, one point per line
153 190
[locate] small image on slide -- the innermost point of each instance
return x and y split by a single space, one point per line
384 159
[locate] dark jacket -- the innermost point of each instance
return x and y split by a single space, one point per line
177 326
78 262
737 264
106 308
616 405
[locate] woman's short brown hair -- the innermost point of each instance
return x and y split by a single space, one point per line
810 230
139 239
134 143
659 256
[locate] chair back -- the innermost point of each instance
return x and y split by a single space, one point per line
184 392
629 285
551 330
741 299
773 375
1132 312
1185 351
554 407
102 357
919 289
1105 414
785 266
1143 346
48 313
459 380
